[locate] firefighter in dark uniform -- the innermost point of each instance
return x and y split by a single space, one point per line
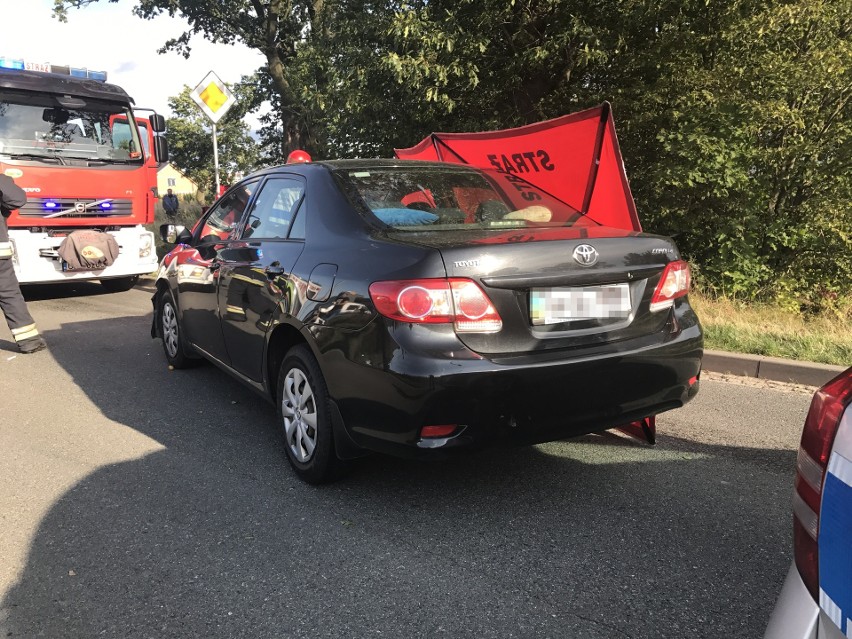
11 301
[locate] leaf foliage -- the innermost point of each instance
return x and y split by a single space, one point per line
733 115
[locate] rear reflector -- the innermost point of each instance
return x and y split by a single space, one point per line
443 430
674 283
806 552
808 519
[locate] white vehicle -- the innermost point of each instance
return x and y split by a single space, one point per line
816 601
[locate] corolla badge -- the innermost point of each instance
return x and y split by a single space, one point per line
466 263
585 255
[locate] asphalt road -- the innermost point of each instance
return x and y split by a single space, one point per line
141 502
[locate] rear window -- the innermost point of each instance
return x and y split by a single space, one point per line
454 197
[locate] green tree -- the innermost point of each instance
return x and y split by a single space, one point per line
733 115
273 27
753 163
403 69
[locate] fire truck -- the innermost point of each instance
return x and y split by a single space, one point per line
87 162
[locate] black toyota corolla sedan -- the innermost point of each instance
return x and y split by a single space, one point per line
415 308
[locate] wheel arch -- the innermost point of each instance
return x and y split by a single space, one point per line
163 286
281 340
160 286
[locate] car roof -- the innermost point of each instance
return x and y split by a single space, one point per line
389 163
354 165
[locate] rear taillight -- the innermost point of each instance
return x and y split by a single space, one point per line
437 301
814 450
674 283
443 430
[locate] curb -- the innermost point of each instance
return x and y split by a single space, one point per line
774 368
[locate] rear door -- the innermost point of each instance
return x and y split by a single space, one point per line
255 271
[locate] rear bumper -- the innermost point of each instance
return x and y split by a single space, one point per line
797 615
523 401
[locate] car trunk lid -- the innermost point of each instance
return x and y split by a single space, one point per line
557 288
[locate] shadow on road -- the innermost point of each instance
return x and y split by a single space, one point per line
33 292
214 537
75 289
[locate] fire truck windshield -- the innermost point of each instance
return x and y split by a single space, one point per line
33 127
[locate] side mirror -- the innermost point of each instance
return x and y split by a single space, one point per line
158 123
174 234
161 149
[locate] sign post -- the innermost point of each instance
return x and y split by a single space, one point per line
214 99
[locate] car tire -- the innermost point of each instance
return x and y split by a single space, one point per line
303 411
120 284
171 332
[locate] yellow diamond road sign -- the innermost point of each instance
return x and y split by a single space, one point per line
213 97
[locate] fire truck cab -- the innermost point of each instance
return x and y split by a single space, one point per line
73 143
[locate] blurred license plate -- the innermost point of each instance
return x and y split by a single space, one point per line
556 305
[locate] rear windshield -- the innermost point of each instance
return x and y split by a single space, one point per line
454 197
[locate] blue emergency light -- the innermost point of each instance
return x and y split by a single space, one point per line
79 72
50 205
9 63
19 64
106 205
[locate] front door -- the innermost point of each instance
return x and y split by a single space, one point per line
254 273
198 271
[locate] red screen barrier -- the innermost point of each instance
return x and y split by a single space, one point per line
574 158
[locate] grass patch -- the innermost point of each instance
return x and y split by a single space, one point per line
764 329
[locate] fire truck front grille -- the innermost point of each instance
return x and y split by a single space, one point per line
47 208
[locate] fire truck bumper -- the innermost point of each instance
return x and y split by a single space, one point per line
36 258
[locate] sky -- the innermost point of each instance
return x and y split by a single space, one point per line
108 37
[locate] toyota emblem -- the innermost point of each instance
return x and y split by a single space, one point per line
585 255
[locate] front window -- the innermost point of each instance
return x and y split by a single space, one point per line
122 133
59 128
454 197
224 218
274 209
